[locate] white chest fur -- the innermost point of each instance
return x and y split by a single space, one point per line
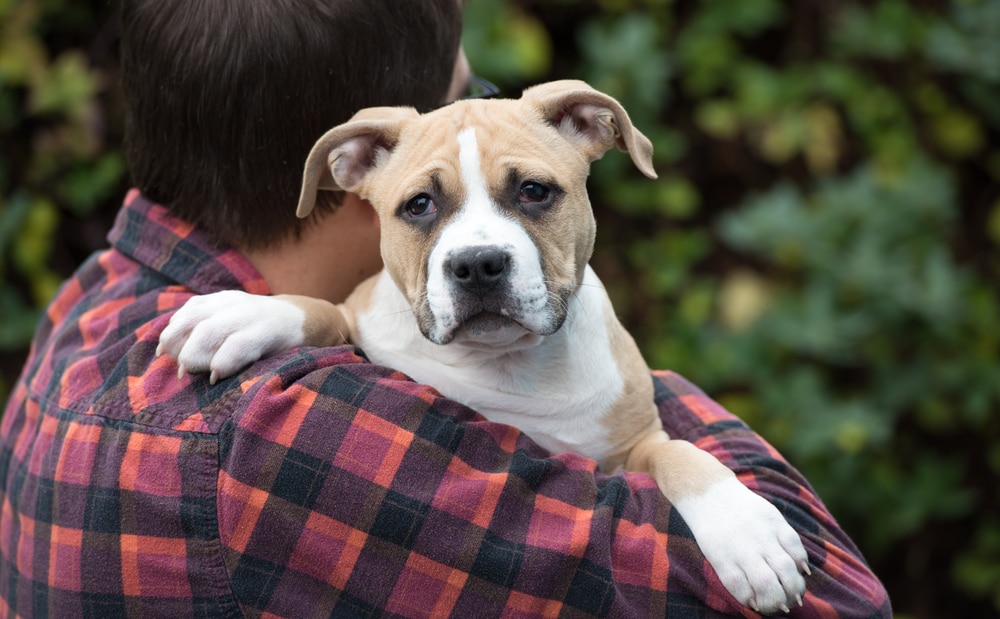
557 391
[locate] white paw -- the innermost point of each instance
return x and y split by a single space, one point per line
758 556
226 331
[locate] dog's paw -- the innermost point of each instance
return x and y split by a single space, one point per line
224 332
758 556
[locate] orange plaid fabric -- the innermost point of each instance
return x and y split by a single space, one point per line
318 484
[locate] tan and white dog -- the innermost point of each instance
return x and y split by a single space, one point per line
486 294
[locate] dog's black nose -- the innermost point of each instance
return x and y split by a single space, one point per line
478 269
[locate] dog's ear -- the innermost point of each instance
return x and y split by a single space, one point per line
591 119
343 157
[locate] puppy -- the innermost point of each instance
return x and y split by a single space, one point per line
486 294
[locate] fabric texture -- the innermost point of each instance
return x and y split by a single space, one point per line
318 484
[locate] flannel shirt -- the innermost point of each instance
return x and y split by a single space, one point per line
318 484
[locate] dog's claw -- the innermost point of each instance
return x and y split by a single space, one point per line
804 567
784 609
181 371
798 599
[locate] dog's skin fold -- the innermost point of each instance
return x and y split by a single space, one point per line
487 295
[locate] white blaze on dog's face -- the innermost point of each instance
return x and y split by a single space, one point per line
485 221
488 235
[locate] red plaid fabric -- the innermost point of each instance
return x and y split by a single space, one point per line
318 484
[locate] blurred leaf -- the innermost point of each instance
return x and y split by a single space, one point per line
969 42
888 30
18 322
22 55
958 134
979 568
823 136
87 185
993 227
743 299
718 118
504 43
67 89
676 197
33 244
696 303
12 217
626 61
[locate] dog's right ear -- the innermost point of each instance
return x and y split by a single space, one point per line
343 157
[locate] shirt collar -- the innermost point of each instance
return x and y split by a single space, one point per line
147 233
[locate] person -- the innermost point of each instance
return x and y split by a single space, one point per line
315 483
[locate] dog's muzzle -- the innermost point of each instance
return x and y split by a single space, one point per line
479 278
490 296
479 272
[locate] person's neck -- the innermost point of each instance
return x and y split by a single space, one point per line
329 259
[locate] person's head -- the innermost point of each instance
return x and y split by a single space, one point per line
225 98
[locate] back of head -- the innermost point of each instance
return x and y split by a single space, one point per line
226 97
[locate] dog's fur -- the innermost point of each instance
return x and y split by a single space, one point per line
486 294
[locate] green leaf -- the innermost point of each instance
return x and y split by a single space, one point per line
67 88
87 185
504 43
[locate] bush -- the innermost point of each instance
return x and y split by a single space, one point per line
821 249
820 252
61 169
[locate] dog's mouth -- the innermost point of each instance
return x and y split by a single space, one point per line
485 323
494 332
497 321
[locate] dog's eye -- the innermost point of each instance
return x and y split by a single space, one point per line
420 206
533 192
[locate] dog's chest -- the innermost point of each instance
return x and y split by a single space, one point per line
562 409
558 392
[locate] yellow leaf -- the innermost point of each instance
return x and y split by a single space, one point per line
44 287
779 140
743 299
822 146
851 437
22 54
957 133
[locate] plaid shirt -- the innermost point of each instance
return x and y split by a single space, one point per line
318 484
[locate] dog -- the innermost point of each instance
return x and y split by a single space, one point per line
487 295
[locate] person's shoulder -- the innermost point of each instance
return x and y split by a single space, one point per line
686 404
318 385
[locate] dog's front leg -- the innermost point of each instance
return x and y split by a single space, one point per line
756 553
226 331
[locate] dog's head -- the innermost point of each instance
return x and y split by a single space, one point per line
485 221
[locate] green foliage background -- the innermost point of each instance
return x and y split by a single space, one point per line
820 252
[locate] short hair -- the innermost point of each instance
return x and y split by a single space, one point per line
225 98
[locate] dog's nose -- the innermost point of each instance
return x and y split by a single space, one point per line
478 269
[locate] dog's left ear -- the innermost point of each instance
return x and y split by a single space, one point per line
344 155
591 119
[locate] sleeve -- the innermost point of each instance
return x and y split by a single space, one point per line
345 486
841 583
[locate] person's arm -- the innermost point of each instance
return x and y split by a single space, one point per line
348 485
841 583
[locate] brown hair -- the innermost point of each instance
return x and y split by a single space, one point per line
224 98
